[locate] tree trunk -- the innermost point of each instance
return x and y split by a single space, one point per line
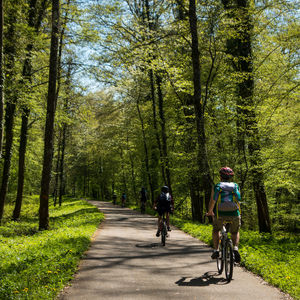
49 128
62 157
151 77
189 144
205 178
164 157
55 190
21 174
123 173
146 152
10 52
150 22
133 181
1 79
9 123
240 48
27 73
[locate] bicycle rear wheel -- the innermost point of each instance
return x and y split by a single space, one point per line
220 261
228 260
164 233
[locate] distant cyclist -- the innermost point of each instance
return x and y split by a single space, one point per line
163 204
114 197
123 199
143 198
225 199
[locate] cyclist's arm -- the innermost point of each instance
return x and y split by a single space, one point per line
211 205
172 203
155 203
237 193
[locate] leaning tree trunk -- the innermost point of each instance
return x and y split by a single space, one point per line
1 79
49 128
240 48
205 178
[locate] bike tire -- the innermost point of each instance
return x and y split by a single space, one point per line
228 260
220 259
164 234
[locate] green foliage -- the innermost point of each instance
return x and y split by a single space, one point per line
38 264
275 258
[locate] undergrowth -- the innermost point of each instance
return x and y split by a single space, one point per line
38 264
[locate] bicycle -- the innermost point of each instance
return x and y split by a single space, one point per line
226 256
143 207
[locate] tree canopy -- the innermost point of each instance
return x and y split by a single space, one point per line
149 93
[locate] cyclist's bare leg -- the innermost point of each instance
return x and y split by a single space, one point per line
235 238
159 223
216 237
168 218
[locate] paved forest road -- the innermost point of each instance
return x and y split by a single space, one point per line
126 261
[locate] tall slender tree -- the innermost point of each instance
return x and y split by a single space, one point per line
204 171
240 49
35 17
11 99
49 127
1 77
145 149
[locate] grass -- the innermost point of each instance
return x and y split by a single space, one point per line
38 264
275 257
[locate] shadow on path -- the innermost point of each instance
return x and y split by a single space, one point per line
205 280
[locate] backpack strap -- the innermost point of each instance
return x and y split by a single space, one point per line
236 201
217 204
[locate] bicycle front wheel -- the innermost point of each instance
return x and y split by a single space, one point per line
220 260
228 260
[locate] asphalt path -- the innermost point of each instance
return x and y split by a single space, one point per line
126 261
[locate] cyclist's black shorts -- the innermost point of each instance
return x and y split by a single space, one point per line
162 209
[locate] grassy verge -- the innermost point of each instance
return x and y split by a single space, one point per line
275 258
38 264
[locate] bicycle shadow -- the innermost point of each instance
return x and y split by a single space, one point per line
151 245
206 279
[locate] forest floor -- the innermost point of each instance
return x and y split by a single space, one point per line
127 261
